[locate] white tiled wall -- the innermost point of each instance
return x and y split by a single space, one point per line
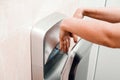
16 19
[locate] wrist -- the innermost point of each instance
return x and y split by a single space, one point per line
79 13
63 25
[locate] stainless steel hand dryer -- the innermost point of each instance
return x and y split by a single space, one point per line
48 62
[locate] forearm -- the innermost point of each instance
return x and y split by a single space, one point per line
106 14
95 31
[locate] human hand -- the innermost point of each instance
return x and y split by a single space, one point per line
75 37
79 13
65 38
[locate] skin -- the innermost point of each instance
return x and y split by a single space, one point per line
103 28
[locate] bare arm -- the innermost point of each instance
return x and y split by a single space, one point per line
96 31
107 14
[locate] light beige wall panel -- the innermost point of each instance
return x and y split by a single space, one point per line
16 20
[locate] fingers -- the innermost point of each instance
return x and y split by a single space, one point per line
75 38
65 44
78 13
68 43
61 45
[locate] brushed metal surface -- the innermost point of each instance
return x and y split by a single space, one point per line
38 33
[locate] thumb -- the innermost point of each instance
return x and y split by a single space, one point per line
75 38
